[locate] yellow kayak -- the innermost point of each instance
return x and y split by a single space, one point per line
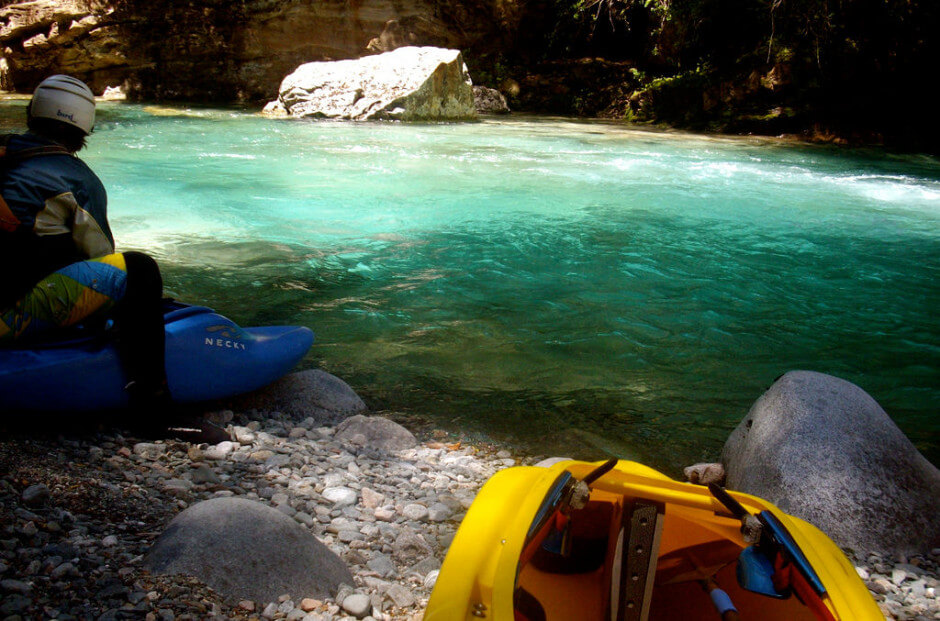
616 541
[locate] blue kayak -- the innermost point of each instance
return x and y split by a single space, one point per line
207 357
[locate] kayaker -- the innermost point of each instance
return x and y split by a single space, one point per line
58 265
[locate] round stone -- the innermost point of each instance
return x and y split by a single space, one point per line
358 605
36 495
438 512
246 550
415 512
340 496
149 450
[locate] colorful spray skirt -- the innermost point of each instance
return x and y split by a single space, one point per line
71 295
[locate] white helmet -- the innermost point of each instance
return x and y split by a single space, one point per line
63 98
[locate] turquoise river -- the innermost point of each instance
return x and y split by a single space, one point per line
580 288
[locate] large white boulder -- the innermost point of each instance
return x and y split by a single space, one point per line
822 449
409 83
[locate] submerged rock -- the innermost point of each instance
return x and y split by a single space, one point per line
822 449
247 550
375 432
307 394
409 83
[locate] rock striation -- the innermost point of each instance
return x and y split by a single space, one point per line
409 83
823 450
42 37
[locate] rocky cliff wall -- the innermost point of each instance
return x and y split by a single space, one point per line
222 50
72 35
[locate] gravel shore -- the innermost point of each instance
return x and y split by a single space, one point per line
79 511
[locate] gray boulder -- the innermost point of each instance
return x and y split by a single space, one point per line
822 449
408 84
489 101
247 550
375 432
312 393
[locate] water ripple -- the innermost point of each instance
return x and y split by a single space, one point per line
579 287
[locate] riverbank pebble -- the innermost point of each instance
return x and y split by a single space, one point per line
905 588
79 511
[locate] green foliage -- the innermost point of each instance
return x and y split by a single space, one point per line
615 29
489 71
779 62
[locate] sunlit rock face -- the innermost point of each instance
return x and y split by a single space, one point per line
42 37
822 449
409 83
216 50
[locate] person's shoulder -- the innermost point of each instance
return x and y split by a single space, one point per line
86 169
11 142
88 177
28 140
52 169
19 150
